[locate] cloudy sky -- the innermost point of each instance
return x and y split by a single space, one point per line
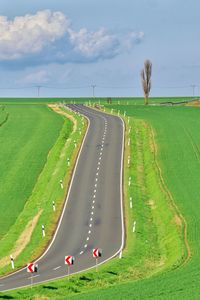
68 45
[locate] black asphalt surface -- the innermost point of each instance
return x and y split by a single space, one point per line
93 215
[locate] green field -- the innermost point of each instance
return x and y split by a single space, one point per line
100 100
156 263
23 154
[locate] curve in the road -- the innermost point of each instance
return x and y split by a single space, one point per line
93 213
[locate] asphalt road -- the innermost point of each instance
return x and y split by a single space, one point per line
93 213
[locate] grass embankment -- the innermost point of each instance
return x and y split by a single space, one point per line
150 249
24 237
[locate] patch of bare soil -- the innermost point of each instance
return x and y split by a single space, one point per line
57 109
22 241
194 104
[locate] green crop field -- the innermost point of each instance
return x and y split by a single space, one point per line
23 154
100 100
161 259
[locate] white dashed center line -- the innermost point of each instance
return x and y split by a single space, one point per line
33 276
57 268
95 185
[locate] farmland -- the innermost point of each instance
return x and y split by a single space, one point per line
23 154
161 259
100 100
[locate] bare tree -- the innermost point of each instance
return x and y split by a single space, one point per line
146 80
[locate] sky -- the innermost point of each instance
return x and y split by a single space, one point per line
68 46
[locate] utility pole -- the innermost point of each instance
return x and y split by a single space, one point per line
193 86
38 90
93 89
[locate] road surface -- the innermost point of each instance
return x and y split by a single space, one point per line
93 212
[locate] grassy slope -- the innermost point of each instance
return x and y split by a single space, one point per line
23 155
149 250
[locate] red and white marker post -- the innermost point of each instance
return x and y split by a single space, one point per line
96 254
32 268
69 260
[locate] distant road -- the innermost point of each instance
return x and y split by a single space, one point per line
93 213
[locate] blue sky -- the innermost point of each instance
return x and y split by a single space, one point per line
76 43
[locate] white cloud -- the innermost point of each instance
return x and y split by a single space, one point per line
31 33
94 44
49 37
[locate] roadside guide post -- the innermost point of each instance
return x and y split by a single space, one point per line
61 184
96 254
43 231
54 206
68 162
32 268
12 262
69 260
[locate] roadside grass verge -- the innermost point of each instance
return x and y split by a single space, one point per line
46 190
149 250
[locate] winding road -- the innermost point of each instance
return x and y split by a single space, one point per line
93 213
